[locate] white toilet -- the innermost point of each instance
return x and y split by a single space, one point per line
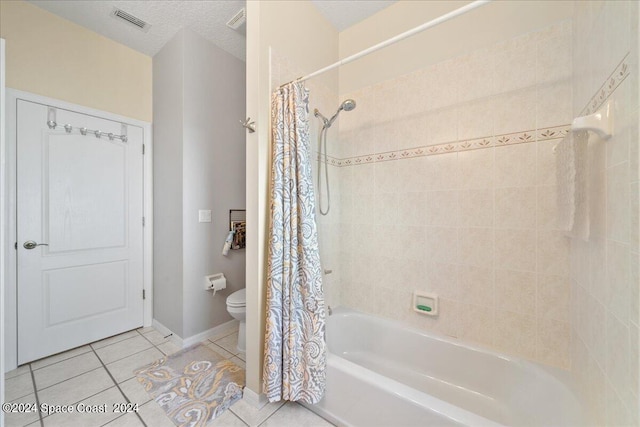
237 307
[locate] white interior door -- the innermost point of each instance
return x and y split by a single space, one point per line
80 198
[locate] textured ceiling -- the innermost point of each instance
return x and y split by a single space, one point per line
207 18
344 13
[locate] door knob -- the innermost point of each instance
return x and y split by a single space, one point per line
30 244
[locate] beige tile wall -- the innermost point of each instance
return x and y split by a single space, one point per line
604 270
475 226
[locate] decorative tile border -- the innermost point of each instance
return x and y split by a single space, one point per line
333 161
608 87
453 146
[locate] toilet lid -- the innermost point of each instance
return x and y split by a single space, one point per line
238 298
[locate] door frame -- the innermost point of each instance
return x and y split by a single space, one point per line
11 302
3 236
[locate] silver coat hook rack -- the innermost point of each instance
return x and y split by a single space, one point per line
249 125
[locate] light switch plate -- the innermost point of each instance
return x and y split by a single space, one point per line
204 215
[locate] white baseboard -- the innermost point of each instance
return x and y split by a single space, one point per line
227 326
254 399
174 338
186 342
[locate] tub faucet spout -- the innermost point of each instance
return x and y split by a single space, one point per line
329 310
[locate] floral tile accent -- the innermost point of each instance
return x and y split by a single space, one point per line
552 133
522 137
504 140
619 74
479 143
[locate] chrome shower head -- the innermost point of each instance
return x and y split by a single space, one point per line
348 105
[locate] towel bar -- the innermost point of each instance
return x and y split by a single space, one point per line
600 122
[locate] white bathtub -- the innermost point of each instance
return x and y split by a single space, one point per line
382 374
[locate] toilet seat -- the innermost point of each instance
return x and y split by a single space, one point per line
237 299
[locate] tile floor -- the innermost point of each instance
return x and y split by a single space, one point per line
102 372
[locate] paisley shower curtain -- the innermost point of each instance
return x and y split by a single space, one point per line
295 351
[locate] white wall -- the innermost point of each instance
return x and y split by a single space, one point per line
213 176
199 98
167 177
3 233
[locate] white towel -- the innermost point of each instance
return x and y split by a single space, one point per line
572 171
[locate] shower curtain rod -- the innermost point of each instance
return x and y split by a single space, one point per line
395 39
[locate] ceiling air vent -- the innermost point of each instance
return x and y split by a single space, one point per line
237 22
130 19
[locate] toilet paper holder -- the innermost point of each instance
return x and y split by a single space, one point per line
215 282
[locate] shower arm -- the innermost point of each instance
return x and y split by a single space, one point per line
325 121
